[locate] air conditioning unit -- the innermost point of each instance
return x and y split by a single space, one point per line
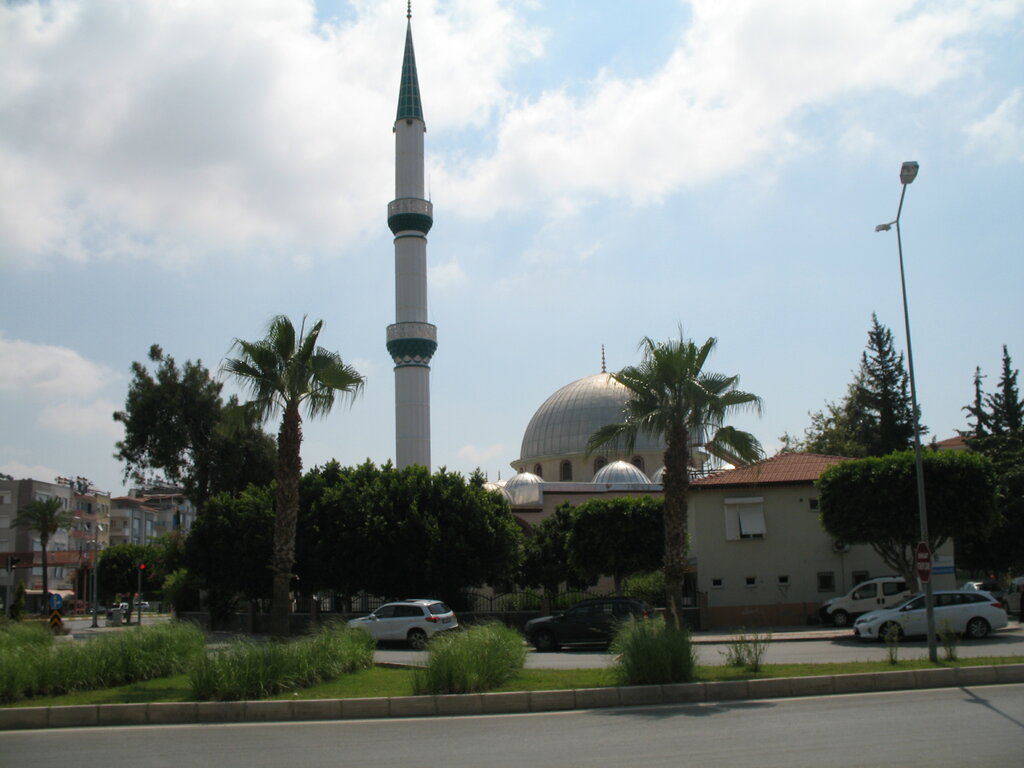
840 546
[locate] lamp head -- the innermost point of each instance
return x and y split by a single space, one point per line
884 227
908 172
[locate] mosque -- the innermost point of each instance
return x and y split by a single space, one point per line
759 555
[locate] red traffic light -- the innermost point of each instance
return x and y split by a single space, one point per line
142 566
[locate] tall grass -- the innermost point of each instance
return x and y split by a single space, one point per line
477 659
36 668
651 652
253 670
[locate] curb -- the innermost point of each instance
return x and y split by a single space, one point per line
517 702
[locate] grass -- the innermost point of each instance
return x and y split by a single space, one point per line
648 652
470 661
386 681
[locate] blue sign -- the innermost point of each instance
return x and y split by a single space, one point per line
56 601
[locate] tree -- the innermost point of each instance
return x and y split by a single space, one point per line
997 434
616 537
397 532
876 417
546 553
119 570
229 548
670 395
45 517
289 373
179 432
874 501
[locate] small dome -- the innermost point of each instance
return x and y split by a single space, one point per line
525 489
499 488
621 472
659 476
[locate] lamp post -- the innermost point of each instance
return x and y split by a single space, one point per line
908 172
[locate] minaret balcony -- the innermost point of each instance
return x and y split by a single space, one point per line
410 214
412 343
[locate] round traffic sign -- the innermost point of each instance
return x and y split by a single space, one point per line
924 561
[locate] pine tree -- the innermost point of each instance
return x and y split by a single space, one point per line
1006 410
976 410
876 416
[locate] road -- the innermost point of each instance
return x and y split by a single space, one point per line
937 728
1005 643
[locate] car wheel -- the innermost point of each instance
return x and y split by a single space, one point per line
417 639
545 642
890 626
841 618
977 628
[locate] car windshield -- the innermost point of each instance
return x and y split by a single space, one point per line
437 608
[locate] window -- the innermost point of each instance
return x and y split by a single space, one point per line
751 581
866 592
783 581
813 504
565 471
385 612
826 581
716 584
638 462
744 519
538 470
859 577
599 462
893 587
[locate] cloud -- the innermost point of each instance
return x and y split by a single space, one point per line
479 456
179 130
45 372
21 471
731 96
445 275
83 419
1001 133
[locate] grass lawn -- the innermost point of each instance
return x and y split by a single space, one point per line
388 681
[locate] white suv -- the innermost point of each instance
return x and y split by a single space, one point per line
871 595
414 621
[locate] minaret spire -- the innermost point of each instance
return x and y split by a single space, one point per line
411 340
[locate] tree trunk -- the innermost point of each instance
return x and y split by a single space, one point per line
289 473
46 579
677 483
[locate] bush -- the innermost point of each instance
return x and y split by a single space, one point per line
480 658
650 652
37 668
253 670
747 651
649 587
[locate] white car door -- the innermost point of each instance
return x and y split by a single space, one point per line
913 617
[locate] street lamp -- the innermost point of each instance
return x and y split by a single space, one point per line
908 172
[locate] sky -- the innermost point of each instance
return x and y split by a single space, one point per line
178 173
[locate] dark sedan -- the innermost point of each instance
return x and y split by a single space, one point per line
589 622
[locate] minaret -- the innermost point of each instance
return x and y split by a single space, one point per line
411 340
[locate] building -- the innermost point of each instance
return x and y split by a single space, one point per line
411 340
758 553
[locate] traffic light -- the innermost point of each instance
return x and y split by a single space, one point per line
11 562
142 566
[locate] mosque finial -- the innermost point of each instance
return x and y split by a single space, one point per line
408 10
602 360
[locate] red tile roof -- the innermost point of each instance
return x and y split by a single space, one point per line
784 469
958 443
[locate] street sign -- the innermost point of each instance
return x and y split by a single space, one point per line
924 562
55 621
56 601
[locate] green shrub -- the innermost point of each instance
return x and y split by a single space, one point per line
650 652
649 587
252 670
38 668
747 650
477 659
950 640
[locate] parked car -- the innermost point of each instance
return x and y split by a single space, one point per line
993 587
588 622
1013 597
871 595
971 613
411 621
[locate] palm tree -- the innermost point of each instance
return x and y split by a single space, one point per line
671 396
288 373
45 517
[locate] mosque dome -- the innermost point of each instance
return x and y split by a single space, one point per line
564 423
499 487
621 472
659 476
525 488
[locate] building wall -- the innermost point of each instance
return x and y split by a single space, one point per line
784 576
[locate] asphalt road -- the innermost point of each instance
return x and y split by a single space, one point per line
937 728
1008 642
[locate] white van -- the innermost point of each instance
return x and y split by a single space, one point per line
870 595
